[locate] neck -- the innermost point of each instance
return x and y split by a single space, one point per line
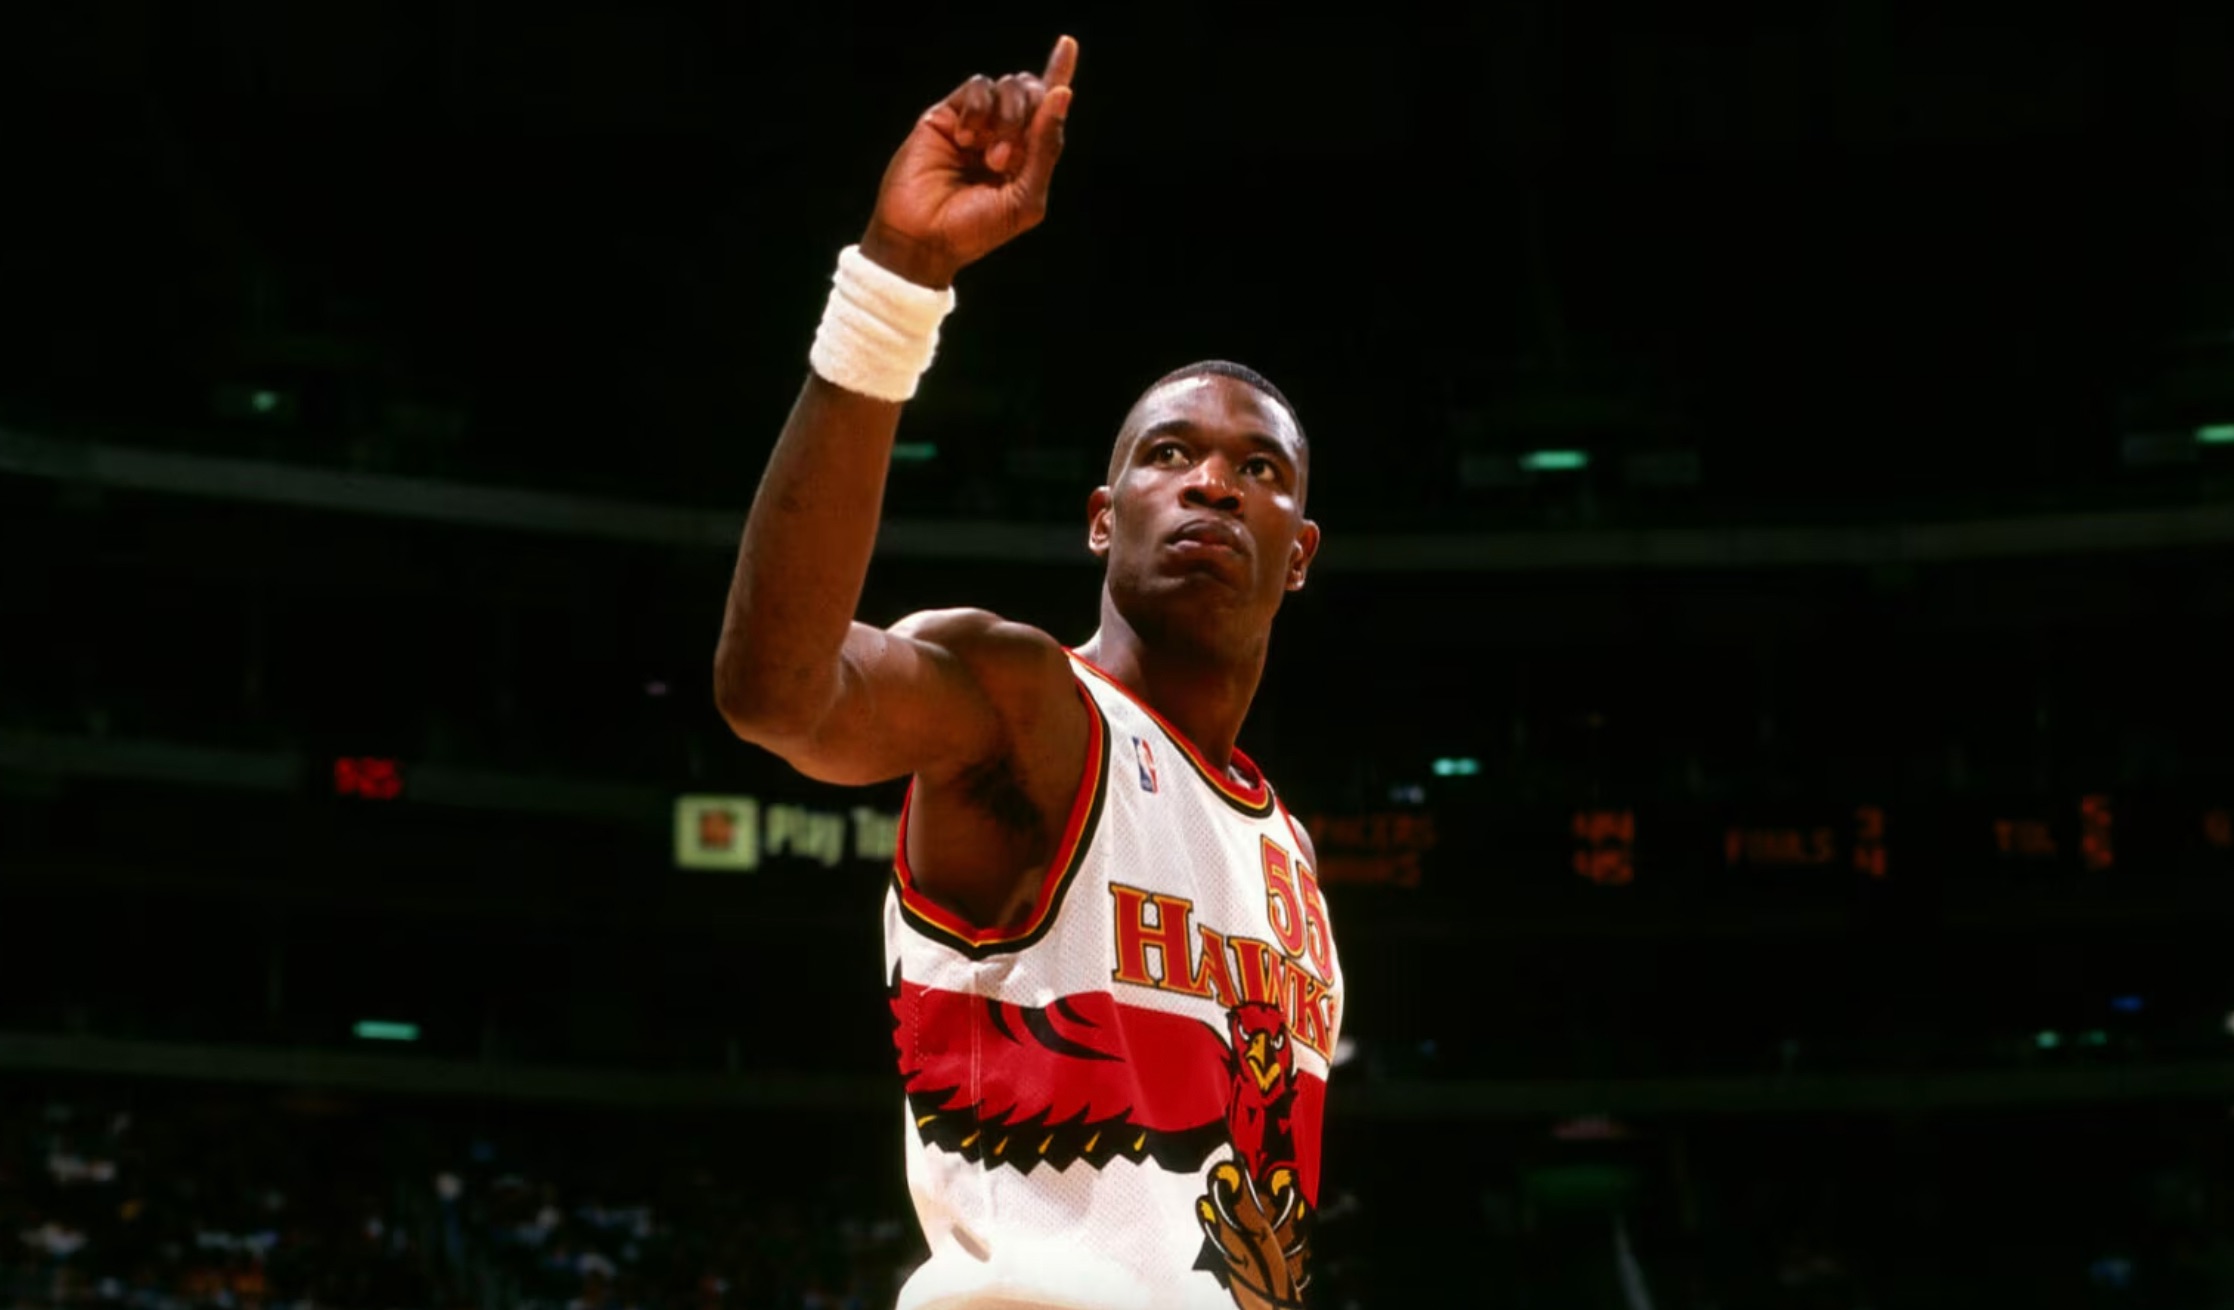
1204 692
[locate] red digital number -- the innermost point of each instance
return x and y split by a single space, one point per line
367 776
2095 846
1603 842
1869 841
1608 866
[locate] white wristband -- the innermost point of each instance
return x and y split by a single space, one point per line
879 330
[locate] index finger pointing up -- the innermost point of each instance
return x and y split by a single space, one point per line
1061 63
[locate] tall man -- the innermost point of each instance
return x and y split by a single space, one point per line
1114 987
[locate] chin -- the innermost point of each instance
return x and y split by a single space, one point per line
1193 615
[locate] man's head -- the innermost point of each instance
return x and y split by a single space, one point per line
1210 368
1201 523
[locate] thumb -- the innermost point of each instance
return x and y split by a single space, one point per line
1045 144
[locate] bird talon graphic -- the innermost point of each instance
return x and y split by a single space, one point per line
1251 1209
1282 1185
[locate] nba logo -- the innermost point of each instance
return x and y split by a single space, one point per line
1146 759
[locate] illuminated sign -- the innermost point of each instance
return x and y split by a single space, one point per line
1869 841
384 1030
876 835
1382 848
1790 848
1606 847
2096 850
717 832
368 777
736 834
2024 839
1793 842
1861 847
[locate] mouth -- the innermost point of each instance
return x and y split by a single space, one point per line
1206 537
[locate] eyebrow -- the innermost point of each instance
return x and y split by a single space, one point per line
1179 427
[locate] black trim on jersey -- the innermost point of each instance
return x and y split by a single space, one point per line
1238 805
1221 786
993 1011
1035 1021
1084 841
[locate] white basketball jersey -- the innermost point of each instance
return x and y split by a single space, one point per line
1117 1102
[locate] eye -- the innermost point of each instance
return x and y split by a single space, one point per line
1167 454
1279 1041
1257 466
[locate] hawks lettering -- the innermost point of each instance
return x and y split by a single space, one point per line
1159 946
1263 970
1174 920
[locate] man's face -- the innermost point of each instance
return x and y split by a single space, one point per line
1202 521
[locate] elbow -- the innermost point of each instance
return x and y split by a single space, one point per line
763 708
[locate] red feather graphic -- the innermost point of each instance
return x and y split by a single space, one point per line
1081 1078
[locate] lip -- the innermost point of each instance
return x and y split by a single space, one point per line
1206 535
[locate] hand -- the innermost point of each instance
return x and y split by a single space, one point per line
973 174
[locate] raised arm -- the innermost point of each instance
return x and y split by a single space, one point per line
793 672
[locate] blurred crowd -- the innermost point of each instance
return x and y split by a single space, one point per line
147 1197
108 1206
227 1202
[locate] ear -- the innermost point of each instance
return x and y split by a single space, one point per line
1097 522
1299 559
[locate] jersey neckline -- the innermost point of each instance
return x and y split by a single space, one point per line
1251 794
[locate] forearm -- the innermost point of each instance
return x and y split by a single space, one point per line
972 174
803 560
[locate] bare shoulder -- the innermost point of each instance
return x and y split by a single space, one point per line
1005 657
984 821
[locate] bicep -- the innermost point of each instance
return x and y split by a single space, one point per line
925 696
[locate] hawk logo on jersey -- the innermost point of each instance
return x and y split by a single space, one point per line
1146 758
1253 1214
1086 1078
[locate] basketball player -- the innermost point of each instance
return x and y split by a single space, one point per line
1114 988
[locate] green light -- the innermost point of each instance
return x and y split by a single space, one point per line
1555 461
2216 434
2096 1038
263 402
381 1030
2049 1041
914 452
1457 768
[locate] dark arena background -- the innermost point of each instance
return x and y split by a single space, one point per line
1764 704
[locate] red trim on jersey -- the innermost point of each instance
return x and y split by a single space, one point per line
1085 810
1295 830
1252 798
1310 1114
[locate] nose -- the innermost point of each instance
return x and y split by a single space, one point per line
1212 485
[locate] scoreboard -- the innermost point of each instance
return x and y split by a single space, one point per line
2096 834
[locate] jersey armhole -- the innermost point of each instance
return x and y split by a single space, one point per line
952 930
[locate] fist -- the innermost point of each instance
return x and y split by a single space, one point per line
973 174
